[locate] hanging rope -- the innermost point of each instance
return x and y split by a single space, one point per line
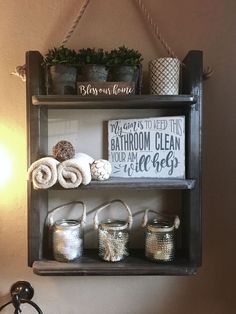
75 22
207 73
155 29
20 70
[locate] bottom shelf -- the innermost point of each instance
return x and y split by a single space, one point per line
135 265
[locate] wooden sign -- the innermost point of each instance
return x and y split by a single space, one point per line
150 147
105 88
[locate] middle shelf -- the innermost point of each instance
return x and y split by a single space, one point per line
137 183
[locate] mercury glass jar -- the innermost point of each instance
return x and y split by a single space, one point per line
113 235
67 240
160 241
65 236
113 239
160 238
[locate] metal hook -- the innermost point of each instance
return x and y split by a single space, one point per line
21 292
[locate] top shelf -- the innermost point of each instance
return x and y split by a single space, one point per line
114 102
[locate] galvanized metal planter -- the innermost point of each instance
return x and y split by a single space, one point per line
94 73
125 73
62 79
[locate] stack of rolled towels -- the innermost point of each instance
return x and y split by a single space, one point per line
69 173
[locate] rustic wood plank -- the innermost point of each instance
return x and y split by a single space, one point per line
192 83
136 183
36 146
114 102
135 264
95 89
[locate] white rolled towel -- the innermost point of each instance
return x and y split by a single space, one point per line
43 172
72 172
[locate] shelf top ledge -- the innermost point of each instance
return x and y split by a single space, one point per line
113 102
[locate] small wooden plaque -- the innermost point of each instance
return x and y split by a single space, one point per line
105 88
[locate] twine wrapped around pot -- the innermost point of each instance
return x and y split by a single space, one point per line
164 76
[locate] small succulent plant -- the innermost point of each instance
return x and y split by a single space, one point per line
61 55
124 56
93 56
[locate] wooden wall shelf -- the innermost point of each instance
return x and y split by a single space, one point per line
188 259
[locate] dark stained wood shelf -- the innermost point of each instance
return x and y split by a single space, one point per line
188 104
114 102
135 264
137 183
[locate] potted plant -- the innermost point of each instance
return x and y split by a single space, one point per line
124 64
62 65
94 64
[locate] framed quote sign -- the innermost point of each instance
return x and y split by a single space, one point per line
149 147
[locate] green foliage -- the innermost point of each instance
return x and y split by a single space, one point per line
124 56
119 56
61 55
93 56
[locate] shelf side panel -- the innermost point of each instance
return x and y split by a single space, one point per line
36 147
192 231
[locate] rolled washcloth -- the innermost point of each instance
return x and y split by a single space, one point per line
73 172
43 172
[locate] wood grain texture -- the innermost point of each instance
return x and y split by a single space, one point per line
37 142
136 184
135 264
189 104
192 231
114 102
106 89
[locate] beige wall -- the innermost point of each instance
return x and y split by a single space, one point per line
208 25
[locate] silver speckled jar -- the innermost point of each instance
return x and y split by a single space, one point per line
113 239
160 241
160 237
65 236
67 240
113 235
